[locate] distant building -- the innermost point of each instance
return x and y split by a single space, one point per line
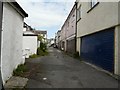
68 32
58 39
27 27
30 42
51 42
42 33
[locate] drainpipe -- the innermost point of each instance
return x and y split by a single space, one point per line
76 29
1 14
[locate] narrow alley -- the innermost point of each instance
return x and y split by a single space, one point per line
58 70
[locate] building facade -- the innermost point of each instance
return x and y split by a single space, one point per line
68 32
30 42
11 43
71 31
41 33
98 34
59 39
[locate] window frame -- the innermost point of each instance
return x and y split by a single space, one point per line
79 13
93 3
92 7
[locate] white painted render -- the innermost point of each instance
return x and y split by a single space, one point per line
118 51
104 15
78 45
28 32
29 45
11 41
38 43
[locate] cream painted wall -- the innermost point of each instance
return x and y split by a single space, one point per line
119 39
119 50
78 44
103 16
11 41
116 50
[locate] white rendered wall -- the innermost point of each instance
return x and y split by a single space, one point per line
101 17
11 41
117 51
29 45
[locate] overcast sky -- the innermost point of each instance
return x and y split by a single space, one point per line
46 14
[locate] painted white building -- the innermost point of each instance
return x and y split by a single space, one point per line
12 33
30 44
98 34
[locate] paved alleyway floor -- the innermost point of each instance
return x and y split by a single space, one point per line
61 71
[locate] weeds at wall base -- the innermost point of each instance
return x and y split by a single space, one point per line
20 70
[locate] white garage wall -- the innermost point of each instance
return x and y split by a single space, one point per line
78 45
119 50
11 41
29 45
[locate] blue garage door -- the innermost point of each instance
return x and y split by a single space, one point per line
98 49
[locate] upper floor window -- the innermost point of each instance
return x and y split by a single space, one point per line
79 13
93 2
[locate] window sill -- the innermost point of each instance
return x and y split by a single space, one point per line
92 7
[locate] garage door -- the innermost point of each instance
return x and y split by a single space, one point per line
71 46
98 49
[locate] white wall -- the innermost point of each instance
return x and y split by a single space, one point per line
118 50
78 45
11 41
103 16
29 45
38 43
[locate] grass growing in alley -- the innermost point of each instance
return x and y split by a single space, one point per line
41 51
20 70
33 56
76 55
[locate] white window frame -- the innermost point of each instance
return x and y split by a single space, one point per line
79 13
93 2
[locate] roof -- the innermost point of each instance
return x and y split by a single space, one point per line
18 8
39 32
29 33
73 8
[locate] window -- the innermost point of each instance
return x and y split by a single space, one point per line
79 13
93 2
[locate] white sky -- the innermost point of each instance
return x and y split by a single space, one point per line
46 14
